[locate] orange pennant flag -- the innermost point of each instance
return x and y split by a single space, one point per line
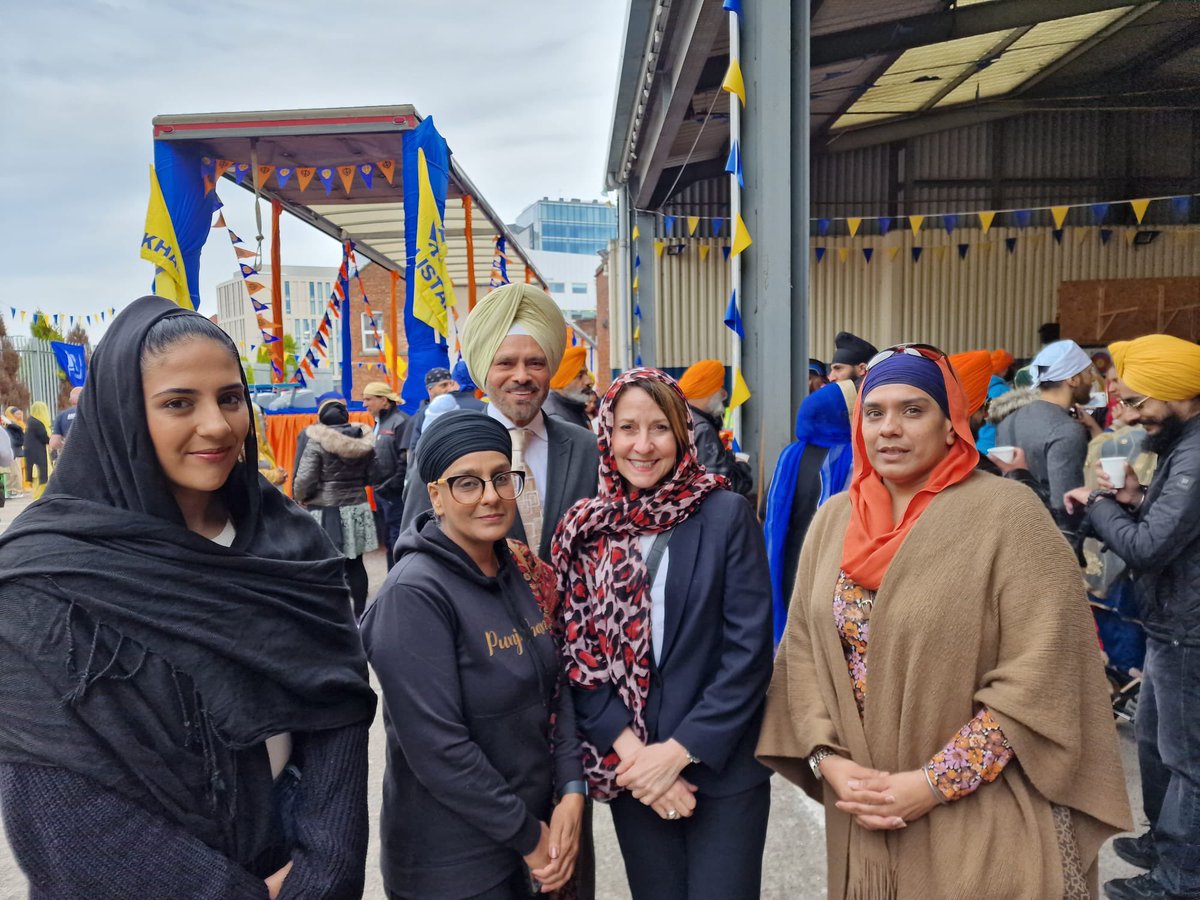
1060 215
347 173
244 254
265 172
223 166
304 174
265 324
220 223
388 168
1139 209
307 368
255 286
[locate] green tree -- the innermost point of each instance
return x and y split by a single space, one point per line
289 355
13 391
42 329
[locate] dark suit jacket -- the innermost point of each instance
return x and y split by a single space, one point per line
572 471
708 688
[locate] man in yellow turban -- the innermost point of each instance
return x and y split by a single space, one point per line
703 384
513 342
571 389
1156 530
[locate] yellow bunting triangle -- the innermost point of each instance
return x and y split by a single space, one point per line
985 247
704 249
1130 237
1139 209
854 224
637 332
1060 215
843 254
914 222
637 233
693 222
939 252
985 220
741 237
635 282
733 81
893 252
347 176
741 391
658 247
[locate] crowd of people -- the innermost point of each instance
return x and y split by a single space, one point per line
590 600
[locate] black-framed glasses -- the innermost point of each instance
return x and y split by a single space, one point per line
468 489
928 351
1132 404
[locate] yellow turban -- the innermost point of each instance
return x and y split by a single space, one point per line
702 379
573 362
509 306
1159 366
974 371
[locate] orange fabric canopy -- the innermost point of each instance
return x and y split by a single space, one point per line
284 429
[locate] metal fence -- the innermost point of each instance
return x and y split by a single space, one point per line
39 370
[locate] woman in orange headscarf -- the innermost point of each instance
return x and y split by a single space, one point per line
926 766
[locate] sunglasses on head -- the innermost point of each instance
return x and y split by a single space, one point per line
928 351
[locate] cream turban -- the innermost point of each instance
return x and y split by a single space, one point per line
1058 362
1159 366
512 305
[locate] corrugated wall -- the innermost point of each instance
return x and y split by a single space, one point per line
990 298
692 296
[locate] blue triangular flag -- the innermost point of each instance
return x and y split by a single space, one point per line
247 271
326 176
637 260
820 253
733 164
868 252
300 379
718 224
234 238
916 253
733 6
1058 235
217 204
1022 217
1181 206
725 251
1105 234
282 174
885 225
668 224
963 249
269 338
637 309
1099 212
950 222
637 360
1011 244
240 171
733 317
823 227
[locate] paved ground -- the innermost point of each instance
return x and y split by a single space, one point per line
794 858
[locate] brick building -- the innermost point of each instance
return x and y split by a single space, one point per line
364 356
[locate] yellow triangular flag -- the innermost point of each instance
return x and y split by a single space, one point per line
704 249
914 222
733 81
843 254
1131 235
1060 215
893 252
939 252
693 223
854 223
985 220
741 392
637 332
635 282
658 247
637 233
741 237
1139 209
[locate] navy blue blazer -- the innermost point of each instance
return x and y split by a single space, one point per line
709 685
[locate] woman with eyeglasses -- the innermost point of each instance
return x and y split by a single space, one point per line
939 687
484 788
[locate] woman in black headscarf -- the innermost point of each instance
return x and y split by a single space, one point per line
185 697
484 774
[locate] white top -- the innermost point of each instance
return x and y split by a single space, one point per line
279 746
537 445
658 594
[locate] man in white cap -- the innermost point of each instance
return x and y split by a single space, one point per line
513 342
1050 430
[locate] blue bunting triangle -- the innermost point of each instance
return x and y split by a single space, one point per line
733 317
668 223
1099 212
820 253
1022 217
950 222
1181 206
885 225
1058 235
916 253
868 252
282 174
1105 234
725 251
963 250
823 227
718 225
1011 244
733 6
733 165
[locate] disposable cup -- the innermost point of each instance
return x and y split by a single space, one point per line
1114 468
1004 454
1098 400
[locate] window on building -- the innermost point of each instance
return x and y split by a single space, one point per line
578 288
557 287
368 335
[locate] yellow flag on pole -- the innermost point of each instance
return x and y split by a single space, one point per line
433 294
741 237
161 247
733 82
741 392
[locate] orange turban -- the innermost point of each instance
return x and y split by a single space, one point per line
703 379
1001 360
974 371
572 364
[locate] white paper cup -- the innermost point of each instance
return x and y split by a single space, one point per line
1004 454
1098 400
1114 468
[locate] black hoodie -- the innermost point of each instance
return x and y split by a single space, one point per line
468 673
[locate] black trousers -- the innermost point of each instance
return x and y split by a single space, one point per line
716 854
514 887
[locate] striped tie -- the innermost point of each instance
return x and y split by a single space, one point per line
529 504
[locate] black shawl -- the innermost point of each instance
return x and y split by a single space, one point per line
148 658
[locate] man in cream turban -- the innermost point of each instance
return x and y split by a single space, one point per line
1051 431
571 389
1155 529
513 342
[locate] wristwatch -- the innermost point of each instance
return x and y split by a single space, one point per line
575 787
816 758
692 759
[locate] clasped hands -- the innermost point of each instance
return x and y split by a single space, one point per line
879 801
651 772
552 862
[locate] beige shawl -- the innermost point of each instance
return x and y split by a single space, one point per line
983 604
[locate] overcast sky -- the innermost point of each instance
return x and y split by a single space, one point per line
521 90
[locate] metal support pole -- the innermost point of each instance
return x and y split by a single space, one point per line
647 299
468 233
394 332
276 292
621 310
775 206
735 210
